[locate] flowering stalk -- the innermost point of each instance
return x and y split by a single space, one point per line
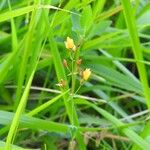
69 43
75 68
75 63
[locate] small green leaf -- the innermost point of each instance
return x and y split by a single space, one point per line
86 19
76 23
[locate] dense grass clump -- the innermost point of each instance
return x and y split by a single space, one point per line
74 74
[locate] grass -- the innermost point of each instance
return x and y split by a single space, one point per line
45 101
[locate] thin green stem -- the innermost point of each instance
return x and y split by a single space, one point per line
78 88
72 75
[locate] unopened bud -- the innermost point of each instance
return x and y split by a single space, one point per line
79 61
62 83
65 63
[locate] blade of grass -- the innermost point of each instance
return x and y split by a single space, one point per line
14 33
45 105
29 122
98 7
109 13
20 109
137 50
6 64
23 64
14 147
94 43
120 66
15 13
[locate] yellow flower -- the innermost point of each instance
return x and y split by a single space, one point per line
69 43
86 74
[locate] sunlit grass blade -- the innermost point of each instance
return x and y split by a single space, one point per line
14 13
14 147
19 111
23 64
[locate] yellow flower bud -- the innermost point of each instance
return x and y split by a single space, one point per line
69 43
86 74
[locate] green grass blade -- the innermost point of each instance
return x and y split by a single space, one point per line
47 104
23 64
5 65
120 66
137 50
14 147
15 13
20 109
33 123
14 33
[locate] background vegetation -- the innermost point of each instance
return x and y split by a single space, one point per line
110 111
